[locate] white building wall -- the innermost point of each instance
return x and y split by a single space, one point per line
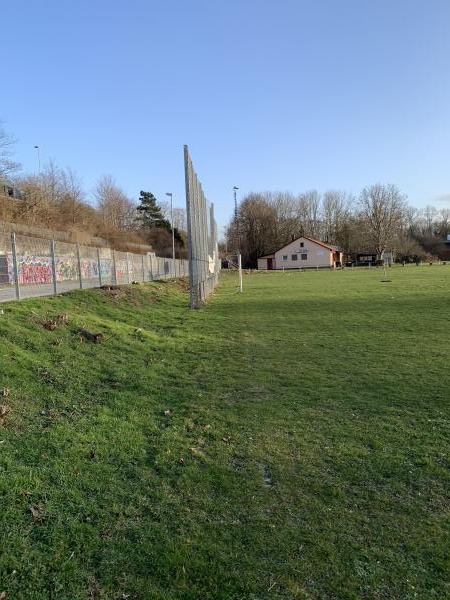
316 255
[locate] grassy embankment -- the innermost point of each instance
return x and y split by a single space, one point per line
305 454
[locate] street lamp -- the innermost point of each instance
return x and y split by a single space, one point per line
39 158
173 234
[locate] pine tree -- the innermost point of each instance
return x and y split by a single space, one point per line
150 214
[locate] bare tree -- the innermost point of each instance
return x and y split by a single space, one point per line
55 199
50 180
179 215
382 208
429 219
336 211
308 213
116 209
410 220
73 208
7 166
256 228
444 222
287 223
180 219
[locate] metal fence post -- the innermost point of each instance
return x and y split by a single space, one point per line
79 267
99 268
15 267
151 267
114 267
128 268
52 252
240 272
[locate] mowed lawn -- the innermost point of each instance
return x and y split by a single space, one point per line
288 442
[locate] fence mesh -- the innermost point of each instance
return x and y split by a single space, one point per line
40 267
89 266
33 265
106 266
67 267
7 280
204 264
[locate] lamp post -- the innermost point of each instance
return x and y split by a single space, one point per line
173 234
39 158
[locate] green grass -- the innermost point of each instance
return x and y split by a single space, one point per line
305 454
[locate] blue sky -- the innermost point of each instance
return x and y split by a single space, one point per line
283 95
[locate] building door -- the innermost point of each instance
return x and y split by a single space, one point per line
270 264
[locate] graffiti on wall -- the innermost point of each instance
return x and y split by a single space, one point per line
66 268
31 269
37 269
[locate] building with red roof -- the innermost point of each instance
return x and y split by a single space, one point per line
302 253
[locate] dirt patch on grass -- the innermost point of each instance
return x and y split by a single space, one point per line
136 296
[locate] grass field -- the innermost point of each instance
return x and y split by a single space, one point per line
305 454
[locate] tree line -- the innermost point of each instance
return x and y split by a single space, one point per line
56 199
379 219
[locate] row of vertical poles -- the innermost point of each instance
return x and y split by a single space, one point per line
191 230
202 238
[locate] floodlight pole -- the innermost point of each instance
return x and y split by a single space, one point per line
39 158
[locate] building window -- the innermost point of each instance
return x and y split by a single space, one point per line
301 244
285 257
304 257
294 257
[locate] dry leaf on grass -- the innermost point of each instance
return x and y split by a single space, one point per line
37 512
197 453
4 410
5 393
52 324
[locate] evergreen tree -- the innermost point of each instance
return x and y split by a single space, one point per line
151 218
150 214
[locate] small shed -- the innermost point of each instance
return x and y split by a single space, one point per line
267 262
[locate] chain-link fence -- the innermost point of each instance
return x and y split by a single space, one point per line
37 267
204 263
